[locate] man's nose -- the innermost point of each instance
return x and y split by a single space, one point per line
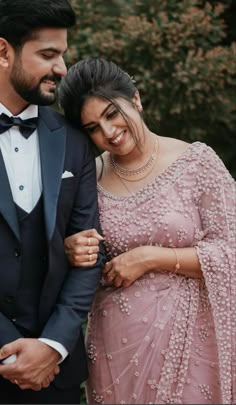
60 67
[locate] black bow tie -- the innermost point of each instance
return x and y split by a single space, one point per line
27 127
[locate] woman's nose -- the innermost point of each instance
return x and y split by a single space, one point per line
108 129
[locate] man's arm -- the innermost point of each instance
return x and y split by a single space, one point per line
79 288
35 359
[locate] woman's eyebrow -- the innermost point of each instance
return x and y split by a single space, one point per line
103 112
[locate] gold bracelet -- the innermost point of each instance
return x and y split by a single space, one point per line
177 264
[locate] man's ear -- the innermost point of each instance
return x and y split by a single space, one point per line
137 101
4 53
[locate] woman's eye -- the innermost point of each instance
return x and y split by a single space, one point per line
90 130
112 113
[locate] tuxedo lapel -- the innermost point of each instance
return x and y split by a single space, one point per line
52 151
7 205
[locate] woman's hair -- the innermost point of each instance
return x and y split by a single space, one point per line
95 78
19 19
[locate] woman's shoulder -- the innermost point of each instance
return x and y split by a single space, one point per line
199 154
101 161
173 148
170 150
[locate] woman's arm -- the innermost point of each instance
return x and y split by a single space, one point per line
129 266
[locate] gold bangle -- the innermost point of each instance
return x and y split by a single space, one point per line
177 264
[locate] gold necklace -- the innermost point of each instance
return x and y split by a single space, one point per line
123 180
121 171
146 174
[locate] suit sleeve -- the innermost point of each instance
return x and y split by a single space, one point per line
8 331
80 286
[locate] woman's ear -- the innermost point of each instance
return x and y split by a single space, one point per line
137 101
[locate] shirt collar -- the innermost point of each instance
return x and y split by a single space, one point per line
30 112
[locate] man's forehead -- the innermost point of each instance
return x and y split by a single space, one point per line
49 38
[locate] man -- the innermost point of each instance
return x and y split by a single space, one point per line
48 191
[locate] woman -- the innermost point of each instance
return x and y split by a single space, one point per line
162 326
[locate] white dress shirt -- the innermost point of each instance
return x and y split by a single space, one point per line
22 161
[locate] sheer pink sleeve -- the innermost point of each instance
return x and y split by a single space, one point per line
216 195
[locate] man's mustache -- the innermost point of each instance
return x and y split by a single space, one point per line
52 78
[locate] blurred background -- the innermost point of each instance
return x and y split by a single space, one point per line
182 55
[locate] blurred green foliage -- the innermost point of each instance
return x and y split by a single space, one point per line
178 54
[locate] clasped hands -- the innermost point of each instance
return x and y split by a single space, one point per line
35 366
122 270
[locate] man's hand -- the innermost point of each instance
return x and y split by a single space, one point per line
35 366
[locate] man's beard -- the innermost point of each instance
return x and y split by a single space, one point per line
32 94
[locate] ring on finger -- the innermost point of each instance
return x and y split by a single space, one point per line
89 241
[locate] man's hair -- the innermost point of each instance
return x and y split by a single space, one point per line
20 18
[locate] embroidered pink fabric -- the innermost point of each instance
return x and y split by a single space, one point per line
168 338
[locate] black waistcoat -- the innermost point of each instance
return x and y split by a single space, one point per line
33 266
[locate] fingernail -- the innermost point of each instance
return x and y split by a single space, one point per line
100 237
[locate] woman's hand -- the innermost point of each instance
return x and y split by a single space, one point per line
124 269
82 248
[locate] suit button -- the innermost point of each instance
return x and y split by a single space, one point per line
17 253
9 299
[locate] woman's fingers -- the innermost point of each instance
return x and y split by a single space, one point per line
107 268
87 237
92 233
76 241
117 282
85 253
83 260
82 248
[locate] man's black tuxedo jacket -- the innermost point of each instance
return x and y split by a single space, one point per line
70 205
